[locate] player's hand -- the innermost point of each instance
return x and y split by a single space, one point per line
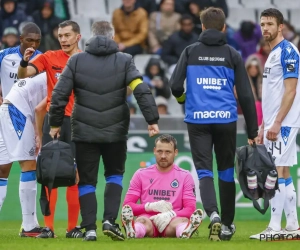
273 131
252 141
158 206
153 130
28 53
55 132
162 220
1 99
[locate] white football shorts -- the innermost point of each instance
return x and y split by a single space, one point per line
285 148
17 142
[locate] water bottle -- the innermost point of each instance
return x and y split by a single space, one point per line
252 184
271 180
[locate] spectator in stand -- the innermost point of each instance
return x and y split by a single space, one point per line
162 105
147 5
247 38
10 38
46 20
11 16
51 39
162 24
194 10
131 27
255 73
213 3
289 33
263 52
156 79
177 42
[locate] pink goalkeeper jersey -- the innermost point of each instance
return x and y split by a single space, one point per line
174 186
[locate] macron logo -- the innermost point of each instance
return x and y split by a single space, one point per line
212 114
289 49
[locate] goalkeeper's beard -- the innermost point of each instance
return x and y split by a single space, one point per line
165 163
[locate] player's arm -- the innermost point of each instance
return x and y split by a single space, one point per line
245 96
178 77
133 195
26 70
40 112
61 94
290 68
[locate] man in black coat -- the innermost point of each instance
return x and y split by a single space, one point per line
100 121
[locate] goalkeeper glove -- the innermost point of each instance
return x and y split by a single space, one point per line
158 206
162 220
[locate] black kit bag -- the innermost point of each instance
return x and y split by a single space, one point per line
256 159
55 168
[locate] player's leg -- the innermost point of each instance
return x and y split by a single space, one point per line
4 173
5 163
72 194
290 204
88 158
27 193
139 228
183 227
19 139
224 140
114 168
200 136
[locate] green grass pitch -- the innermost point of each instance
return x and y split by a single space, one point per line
9 240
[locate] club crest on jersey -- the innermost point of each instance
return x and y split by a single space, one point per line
22 83
13 63
57 75
175 184
285 132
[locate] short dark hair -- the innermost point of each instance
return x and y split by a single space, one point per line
272 12
213 18
166 138
75 26
186 17
30 28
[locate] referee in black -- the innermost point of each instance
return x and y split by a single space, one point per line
212 70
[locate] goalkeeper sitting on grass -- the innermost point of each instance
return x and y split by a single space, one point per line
167 198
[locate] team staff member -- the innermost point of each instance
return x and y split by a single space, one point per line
53 62
100 121
212 69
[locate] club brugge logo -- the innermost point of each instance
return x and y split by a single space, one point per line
174 184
